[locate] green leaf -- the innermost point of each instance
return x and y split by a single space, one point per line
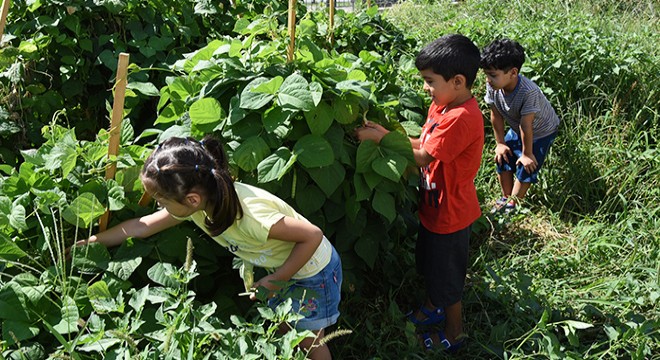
391 167
139 298
269 87
250 153
362 190
124 269
254 100
146 88
164 274
69 317
314 151
13 305
383 203
276 165
295 94
90 258
64 154
277 117
101 299
328 178
206 111
345 110
17 217
397 143
367 152
13 331
9 250
320 119
362 88
366 247
310 199
83 210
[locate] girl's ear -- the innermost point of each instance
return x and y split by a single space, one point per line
193 199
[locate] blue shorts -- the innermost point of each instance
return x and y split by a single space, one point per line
540 149
320 295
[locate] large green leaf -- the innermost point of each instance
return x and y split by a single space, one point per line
64 154
124 269
9 250
383 203
17 217
255 100
391 167
310 199
83 210
398 143
206 111
250 153
90 259
13 331
164 274
295 94
367 152
269 87
319 119
69 317
276 165
366 247
277 118
101 298
328 178
13 304
314 151
346 109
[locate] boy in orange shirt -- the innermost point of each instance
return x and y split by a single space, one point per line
448 153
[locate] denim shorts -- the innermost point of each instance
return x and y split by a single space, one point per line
320 295
540 148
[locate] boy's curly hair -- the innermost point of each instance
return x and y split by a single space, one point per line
502 54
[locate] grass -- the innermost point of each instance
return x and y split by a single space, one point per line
577 274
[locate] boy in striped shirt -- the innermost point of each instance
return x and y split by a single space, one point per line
532 121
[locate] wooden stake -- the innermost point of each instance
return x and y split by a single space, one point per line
292 30
115 126
368 3
331 27
3 17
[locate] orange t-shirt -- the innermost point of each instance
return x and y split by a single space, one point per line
455 138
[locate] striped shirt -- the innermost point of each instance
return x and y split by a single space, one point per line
526 98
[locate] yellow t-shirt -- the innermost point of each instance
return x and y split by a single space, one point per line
248 239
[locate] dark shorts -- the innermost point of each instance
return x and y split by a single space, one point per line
442 260
540 149
319 294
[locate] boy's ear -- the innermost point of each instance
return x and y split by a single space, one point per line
515 71
459 81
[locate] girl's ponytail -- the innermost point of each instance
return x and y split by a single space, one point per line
227 206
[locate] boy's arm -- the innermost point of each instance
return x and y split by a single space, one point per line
527 160
502 151
307 237
376 132
141 227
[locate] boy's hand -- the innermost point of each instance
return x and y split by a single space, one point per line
371 131
502 153
528 162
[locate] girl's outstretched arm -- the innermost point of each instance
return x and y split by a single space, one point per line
307 237
141 227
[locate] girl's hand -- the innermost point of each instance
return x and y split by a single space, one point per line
528 162
269 282
502 153
67 252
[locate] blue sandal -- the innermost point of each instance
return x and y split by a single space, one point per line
447 346
432 316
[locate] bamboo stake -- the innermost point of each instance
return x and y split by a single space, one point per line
115 126
292 30
331 28
3 17
368 3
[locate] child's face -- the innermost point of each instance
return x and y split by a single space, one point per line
500 79
442 92
175 208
